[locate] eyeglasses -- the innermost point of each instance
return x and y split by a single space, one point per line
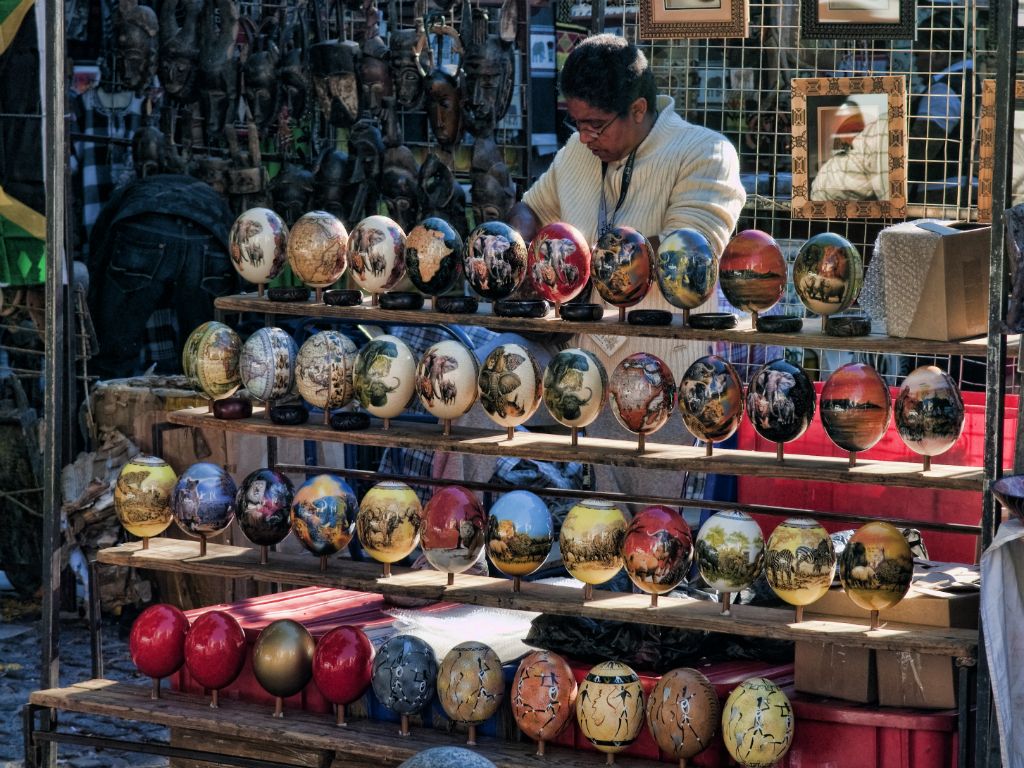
587 128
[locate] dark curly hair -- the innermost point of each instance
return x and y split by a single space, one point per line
609 73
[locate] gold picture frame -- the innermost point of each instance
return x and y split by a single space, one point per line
835 116
987 142
673 19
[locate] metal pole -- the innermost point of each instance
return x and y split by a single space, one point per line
53 454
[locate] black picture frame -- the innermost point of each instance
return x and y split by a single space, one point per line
813 27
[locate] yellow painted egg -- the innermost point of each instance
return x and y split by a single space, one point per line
210 359
610 706
470 684
683 713
142 496
800 561
876 567
757 723
591 541
388 523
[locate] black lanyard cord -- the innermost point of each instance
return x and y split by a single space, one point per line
604 223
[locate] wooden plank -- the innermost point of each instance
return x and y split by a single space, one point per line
209 741
811 336
302 730
549 447
685 613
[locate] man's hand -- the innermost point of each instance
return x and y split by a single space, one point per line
524 221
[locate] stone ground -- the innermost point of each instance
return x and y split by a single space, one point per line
20 645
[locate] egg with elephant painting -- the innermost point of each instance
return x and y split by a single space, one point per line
324 514
757 723
591 541
318 249
610 706
799 561
683 713
470 683
263 507
376 253
752 271
388 523
510 385
433 256
210 358
657 549
324 368
446 379
780 401
520 533
929 411
730 550
559 262
543 695
142 496
452 530
711 399
642 393
622 266
575 387
384 376
876 566
404 676
203 499
828 273
258 244
686 268
267 364
494 260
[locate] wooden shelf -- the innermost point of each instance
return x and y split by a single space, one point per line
546 447
811 337
298 729
682 613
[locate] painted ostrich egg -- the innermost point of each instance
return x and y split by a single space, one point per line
622 266
657 549
730 550
559 262
318 249
828 274
780 401
384 376
210 359
876 567
263 507
324 514
267 363
203 499
452 530
323 369
543 695
142 496
282 658
388 524
855 407
433 256
757 723
259 245
799 561
215 649
157 640
683 713
376 250
687 268
494 260
929 411
642 393
343 664
447 757
404 674
752 271
470 684
520 533
711 399
510 385
610 706
591 541
446 379
575 387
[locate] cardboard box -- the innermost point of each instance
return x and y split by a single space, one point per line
918 680
935 278
836 671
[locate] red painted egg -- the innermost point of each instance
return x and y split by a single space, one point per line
215 649
623 266
452 533
642 393
657 549
157 640
752 272
559 262
543 695
343 664
855 407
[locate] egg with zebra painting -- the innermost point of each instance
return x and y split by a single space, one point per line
800 561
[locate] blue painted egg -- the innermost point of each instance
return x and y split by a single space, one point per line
324 514
203 499
520 533
687 268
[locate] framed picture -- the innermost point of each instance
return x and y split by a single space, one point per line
849 147
857 19
987 147
669 19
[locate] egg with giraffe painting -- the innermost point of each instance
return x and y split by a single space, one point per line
800 561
